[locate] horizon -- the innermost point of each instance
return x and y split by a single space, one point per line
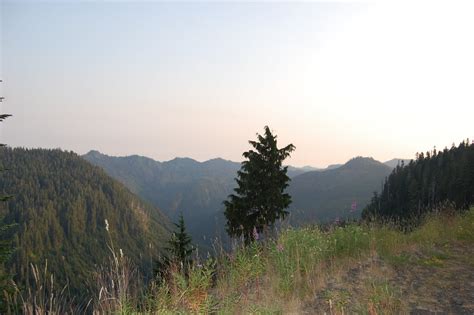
198 80
233 161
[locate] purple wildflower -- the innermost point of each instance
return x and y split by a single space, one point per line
354 206
255 233
280 247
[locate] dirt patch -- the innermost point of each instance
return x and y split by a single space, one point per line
435 280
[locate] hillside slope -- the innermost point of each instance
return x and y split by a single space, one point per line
326 195
432 181
197 189
60 203
348 269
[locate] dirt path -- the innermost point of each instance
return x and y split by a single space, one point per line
438 280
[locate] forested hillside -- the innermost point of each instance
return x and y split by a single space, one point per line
335 193
198 189
433 180
181 185
60 203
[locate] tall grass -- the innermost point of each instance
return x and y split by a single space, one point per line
276 276
42 296
183 290
300 261
118 283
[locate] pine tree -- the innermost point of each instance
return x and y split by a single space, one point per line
5 244
437 181
260 197
180 244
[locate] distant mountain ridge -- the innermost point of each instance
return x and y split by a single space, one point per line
182 185
208 165
340 192
198 189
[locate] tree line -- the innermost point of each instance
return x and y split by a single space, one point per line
434 180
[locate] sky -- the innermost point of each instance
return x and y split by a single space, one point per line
165 80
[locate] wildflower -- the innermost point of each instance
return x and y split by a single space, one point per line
106 225
337 221
255 233
121 253
354 206
279 247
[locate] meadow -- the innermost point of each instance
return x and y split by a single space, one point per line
352 268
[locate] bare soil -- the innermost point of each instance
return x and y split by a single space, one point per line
437 280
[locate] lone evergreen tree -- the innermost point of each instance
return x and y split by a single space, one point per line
259 199
180 244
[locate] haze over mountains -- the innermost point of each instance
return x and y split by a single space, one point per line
61 203
181 185
197 189
340 192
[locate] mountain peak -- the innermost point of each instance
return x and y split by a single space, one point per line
361 161
94 154
182 161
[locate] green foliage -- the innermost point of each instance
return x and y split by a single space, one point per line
118 282
180 244
61 203
43 296
384 299
184 293
300 256
5 253
267 277
338 299
298 252
5 242
244 266
260 197
441 180
465 229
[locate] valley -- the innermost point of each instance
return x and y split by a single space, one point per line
198 189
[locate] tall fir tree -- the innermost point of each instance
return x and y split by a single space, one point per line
260 197
180 247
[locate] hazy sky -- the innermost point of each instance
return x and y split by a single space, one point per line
200 79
